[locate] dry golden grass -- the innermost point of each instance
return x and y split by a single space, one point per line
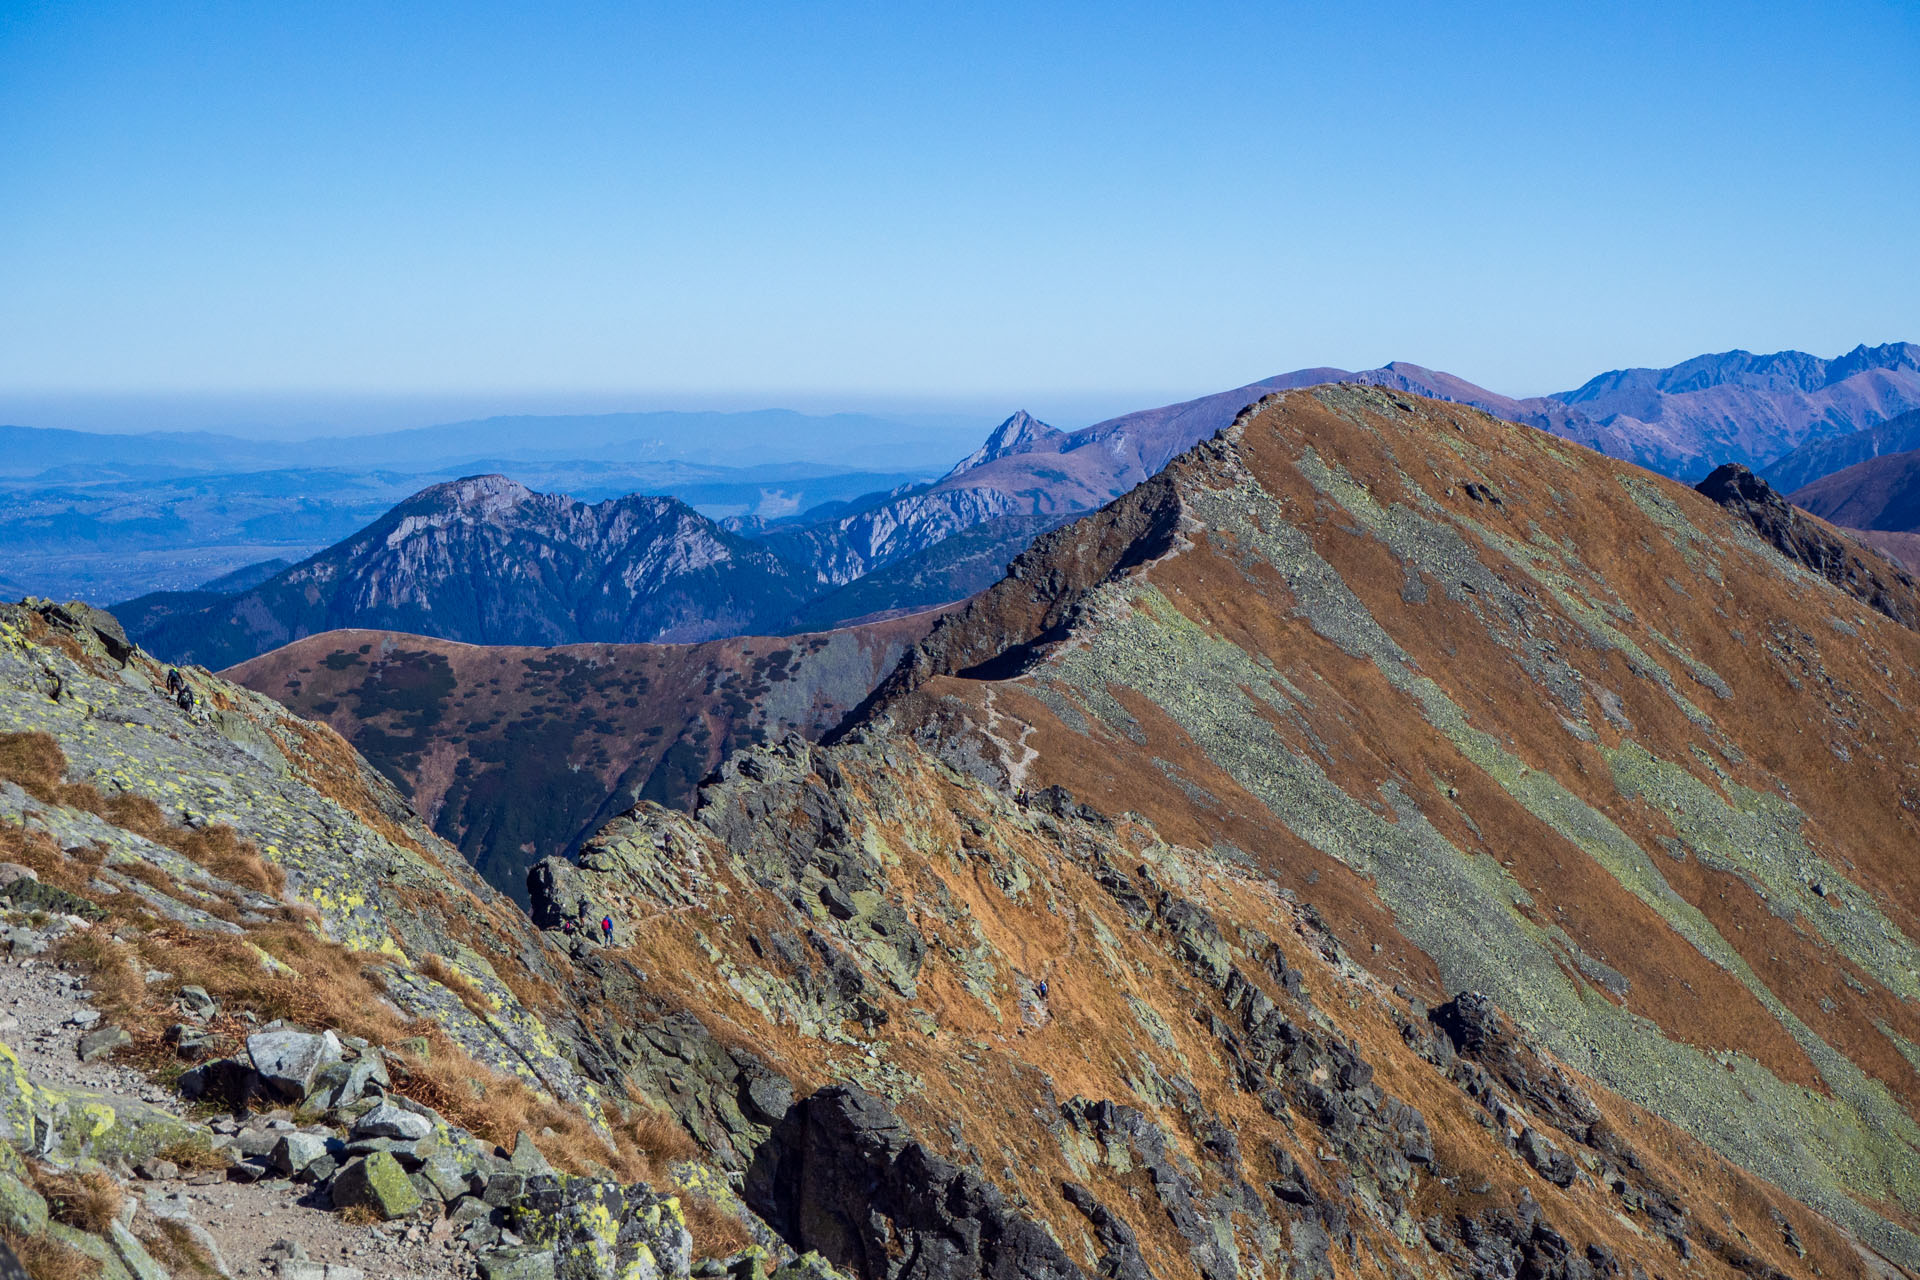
462 986
116 984
330 986
35 763
192 1157
48 1259
174 1247
86 1201
716 1233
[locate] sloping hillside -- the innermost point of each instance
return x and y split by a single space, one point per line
1880 493
515 754
1512 717
1811 462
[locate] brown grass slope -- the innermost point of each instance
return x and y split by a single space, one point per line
1512 716
516 753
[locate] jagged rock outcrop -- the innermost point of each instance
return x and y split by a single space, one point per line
1814 544
842 1176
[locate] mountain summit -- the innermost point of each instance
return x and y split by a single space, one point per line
1022 433
487 560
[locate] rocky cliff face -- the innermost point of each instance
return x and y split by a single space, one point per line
1390 842
488 561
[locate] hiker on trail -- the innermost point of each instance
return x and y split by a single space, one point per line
606 928
174 681
185 697
1042 989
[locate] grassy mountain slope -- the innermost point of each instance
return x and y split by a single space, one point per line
1512 717
515 754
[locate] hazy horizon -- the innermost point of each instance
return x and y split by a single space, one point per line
1126 204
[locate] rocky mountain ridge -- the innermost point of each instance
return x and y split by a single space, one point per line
1371 847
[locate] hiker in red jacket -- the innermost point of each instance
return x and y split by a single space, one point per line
606 929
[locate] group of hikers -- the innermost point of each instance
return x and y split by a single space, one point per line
583 926
180 691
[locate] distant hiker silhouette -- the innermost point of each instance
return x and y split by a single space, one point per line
1042 988
606 928
174 682
185 697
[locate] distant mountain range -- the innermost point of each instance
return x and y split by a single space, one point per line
487 560
1836 453
702 438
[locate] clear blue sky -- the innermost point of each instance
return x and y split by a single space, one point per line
850 205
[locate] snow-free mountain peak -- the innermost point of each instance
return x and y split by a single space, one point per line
1021 433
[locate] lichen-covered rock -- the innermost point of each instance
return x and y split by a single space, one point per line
378 1181
68 1124
23 1210
602 1231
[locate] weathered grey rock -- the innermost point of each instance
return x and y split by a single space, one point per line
98 1044
341 1084
307 1269
287 1061
295 1152
444 1174
196 1003
520 1263
255 1142
770 1097
378 1182
390 1121
526 1156
468 1210
22 1209
133 1254
602 1231
503 1187
191 1043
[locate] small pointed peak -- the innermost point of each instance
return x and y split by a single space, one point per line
1020 433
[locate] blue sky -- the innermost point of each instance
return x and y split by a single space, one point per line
1072 207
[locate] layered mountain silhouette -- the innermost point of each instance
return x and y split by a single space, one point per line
487 561
1880 493
1810 462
